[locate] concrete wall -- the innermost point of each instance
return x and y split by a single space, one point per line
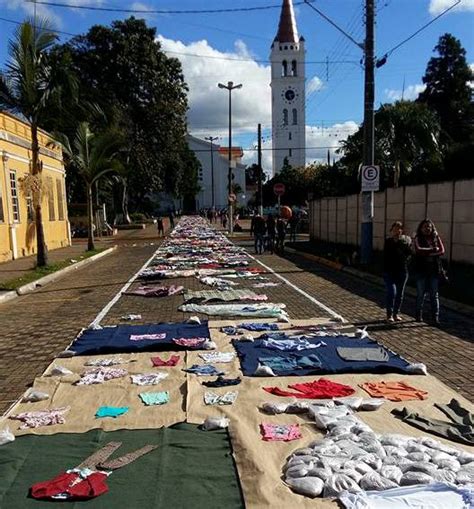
450 205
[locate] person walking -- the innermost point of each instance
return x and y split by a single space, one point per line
160 226
428 267
270 233
259 233
171 218
293 222
281 233
396 253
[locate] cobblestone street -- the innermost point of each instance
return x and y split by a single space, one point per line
36 327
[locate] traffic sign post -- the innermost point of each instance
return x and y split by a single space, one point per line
279 190
370 178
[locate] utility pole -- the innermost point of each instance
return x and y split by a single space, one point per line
260 171
212 139
369 141
230 86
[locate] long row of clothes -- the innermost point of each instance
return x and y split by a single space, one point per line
162 368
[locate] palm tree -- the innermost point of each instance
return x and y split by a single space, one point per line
30 86
92 155
409 133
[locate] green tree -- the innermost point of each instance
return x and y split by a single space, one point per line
123 69
448 92
92 156
407 144
32 87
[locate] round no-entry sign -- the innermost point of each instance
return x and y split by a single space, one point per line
232 197
279 189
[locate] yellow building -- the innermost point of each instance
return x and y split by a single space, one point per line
17 227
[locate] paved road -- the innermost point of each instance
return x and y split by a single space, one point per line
36 327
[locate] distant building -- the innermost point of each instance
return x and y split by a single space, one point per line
202 150
287 58
17 227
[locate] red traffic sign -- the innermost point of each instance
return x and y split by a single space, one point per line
232 197
279 189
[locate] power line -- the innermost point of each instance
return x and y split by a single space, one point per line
6 20
381 61
161 11
337 27
254 60
254 149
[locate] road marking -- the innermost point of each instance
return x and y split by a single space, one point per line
117 296
299 290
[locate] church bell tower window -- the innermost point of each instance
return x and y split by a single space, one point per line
295 116
294 68
284 68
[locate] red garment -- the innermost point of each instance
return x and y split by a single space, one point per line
159 362
319 389
85 489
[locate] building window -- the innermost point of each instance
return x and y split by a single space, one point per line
14 193
30 213
294 68
295 116
2 217
59 191
290 152
284 68
285 117
289 136
50 190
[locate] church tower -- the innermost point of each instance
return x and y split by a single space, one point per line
287 59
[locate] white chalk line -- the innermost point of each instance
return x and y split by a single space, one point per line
299 290
117 296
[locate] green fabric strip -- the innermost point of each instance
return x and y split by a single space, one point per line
190 468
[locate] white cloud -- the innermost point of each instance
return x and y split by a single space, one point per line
208 105
139 6
27 9
410 93
318 141
471 83
313 85
438 6
321 139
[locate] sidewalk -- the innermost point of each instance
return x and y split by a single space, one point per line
17 268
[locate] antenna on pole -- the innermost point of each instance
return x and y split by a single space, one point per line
403 88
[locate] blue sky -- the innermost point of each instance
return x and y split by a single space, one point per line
239 42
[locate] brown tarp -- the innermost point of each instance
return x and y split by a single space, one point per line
259 463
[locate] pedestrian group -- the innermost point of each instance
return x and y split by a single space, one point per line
425 250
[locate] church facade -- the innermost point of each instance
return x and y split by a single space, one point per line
287 59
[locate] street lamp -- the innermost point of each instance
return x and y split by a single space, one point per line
230 86
211 139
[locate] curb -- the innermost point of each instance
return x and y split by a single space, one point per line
31 287
377 280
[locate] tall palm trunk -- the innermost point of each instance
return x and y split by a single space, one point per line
41 248
90 220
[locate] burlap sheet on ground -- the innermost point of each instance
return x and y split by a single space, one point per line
259 463
84 400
